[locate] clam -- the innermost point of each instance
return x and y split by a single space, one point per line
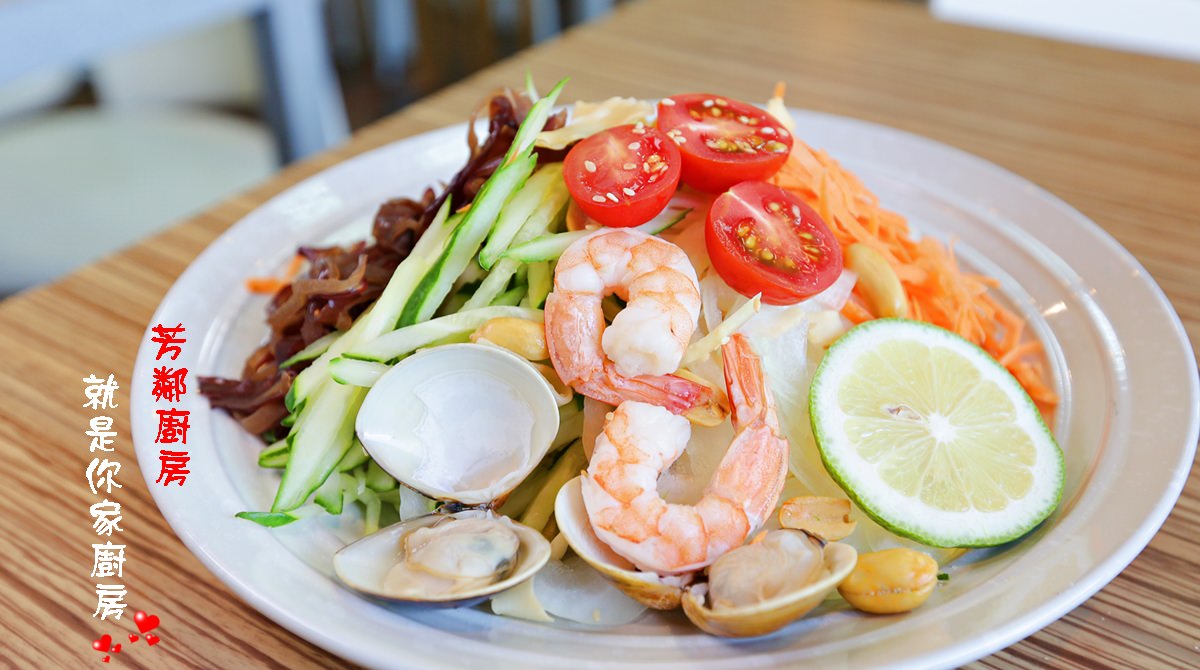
464 424
451 560
460 422
652 590
763 586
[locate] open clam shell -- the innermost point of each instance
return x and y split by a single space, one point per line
364 564
459 422
770 615
654 591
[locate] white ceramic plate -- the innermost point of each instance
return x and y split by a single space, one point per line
1128 426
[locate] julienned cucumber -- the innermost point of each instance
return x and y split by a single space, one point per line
313 350
480 219
550 247
466 240
404 341
539 221
513 217
319 440
356 373
380 317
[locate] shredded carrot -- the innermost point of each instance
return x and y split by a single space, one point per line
272 285
855 312
938 290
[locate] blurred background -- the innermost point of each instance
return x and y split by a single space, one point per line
119 117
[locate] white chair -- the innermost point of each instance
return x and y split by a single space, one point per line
79 183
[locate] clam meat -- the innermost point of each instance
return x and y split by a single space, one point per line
447 559
761 587
453 557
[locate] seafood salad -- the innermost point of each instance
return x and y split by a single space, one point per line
654 355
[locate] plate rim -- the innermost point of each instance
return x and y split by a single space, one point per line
947 655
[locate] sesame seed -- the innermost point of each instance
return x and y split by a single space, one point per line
611 196
628 191
634 146
597 198
768 130
589 166
629 166
668 102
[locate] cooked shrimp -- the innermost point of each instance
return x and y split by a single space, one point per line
631 359
640 441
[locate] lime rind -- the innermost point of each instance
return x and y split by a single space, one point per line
904 516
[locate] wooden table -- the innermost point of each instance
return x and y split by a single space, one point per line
1116 135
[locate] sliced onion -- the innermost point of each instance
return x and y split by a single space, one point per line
573 590
835 296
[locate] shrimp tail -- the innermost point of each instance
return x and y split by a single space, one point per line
744 380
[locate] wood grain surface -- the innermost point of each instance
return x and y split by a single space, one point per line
1116 135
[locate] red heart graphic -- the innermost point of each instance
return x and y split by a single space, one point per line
145 622
117 648
151 640
103 644
133 638
105 659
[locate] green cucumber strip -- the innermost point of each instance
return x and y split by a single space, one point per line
353 458
383 314
319 441
316 348
545 183
276 519
538 223
534 121
329 495
550 247
570 427
370 501
511 297
466 240
541 280
356 373
378 479
391 497
274 456
404 341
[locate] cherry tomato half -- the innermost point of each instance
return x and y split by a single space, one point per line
623 176
763 239
723 141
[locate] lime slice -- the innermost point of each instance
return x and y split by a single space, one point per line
932 437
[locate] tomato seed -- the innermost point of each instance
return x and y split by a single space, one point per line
629 166
589 166
597 198
628 191
612 196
